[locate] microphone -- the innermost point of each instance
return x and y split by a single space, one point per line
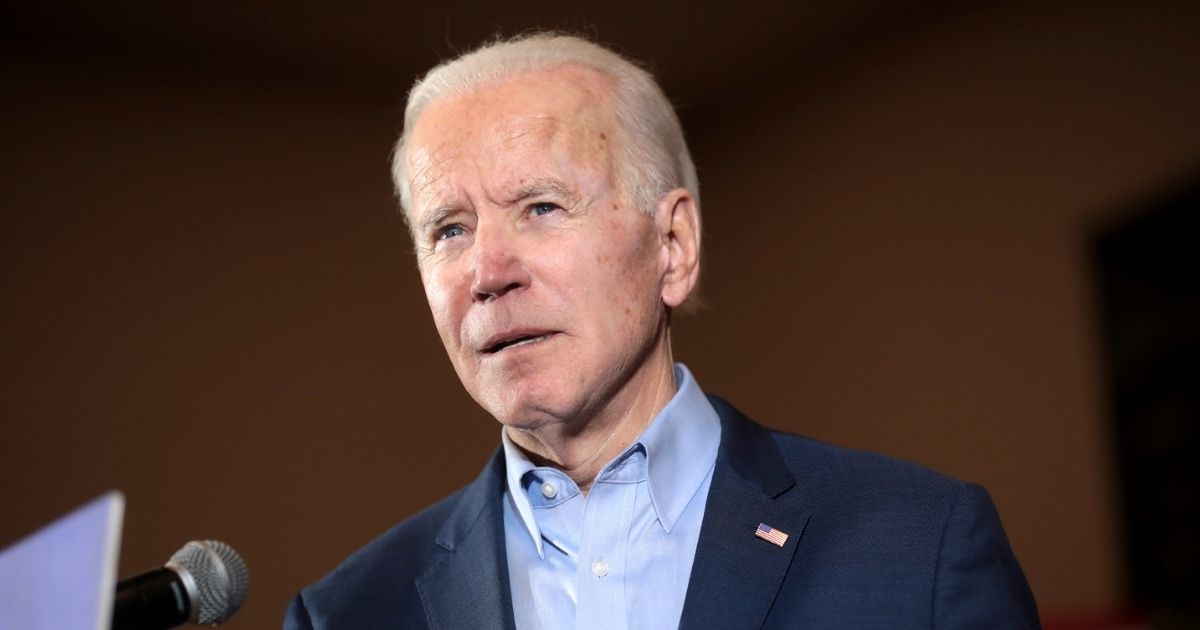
205 582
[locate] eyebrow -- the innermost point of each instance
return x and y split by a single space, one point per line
536 188
435 217
540 187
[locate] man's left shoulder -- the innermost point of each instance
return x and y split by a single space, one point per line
882 537
836 474
846 480
887 500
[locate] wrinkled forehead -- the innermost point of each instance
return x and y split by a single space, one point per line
520 122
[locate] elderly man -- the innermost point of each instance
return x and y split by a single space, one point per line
554 211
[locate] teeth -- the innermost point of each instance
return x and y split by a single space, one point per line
517 342
527 340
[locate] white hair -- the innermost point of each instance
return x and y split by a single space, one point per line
655 156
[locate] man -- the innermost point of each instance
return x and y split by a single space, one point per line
554 211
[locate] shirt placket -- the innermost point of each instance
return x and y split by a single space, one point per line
601 572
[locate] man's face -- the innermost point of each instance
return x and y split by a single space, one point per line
545 284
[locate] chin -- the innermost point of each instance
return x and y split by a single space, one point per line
522 417
524 406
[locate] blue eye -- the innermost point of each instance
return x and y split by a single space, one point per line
450 231
540 209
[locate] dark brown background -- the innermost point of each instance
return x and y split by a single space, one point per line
209 303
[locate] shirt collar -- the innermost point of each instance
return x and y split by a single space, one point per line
680 446
517 464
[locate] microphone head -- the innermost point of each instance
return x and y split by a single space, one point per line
220 576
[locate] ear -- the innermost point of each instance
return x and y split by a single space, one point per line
678 223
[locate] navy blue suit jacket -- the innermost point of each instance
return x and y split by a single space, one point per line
873 543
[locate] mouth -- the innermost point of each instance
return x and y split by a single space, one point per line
502 342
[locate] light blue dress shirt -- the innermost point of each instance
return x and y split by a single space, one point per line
620 556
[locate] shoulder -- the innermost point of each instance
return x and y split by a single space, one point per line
383 568
842 479
831 473
865 509
893 537
377 585
401 550
872 510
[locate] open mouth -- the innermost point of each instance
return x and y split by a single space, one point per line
512 342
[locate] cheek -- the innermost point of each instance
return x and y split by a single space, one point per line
446 314
626 284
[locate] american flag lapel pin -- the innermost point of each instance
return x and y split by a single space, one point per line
771 535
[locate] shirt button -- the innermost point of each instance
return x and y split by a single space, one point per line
548 490
600 568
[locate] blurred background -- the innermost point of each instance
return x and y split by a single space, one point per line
959 233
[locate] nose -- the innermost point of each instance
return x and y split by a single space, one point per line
496 263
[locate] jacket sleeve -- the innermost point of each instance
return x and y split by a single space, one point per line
979 583
297 615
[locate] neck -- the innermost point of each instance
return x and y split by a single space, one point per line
581 448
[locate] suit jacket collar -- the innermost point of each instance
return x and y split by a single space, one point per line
469 587
735 575
750 452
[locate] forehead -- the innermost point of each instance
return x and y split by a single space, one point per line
517 124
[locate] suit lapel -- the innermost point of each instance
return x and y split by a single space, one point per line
469 588
736 575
